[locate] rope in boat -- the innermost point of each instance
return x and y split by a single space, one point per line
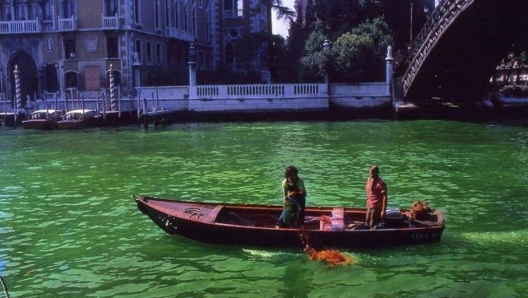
4 287
192 211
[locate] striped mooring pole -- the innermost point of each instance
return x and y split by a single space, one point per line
113 101
18 95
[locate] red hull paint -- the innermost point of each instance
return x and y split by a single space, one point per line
254 225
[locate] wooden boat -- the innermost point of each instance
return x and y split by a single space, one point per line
80 119
42 119
255 225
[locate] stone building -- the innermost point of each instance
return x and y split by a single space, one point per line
69 45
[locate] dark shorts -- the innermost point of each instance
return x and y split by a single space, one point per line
373 217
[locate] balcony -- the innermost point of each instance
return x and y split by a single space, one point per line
10 27
38 26
110 22
67 24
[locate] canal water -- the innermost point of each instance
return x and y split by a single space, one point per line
69 226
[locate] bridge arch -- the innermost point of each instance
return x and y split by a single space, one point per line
457 51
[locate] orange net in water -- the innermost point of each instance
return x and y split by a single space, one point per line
330 256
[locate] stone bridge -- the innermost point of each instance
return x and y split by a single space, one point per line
456 53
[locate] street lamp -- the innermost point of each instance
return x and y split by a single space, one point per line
326 47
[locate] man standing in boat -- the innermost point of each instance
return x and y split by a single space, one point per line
294 198
376 198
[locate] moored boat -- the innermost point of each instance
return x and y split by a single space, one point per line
42 119
80 119
255 225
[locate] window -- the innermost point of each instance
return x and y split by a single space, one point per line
185 18
233 8
137 11
157 20
6 13
149 52
110 8
194 23
71 79
207 22
112 47
51 81
138 50
117 78
158 53
47 13
34 11
167 14
230 56
69 48
21 12
176 15
67 8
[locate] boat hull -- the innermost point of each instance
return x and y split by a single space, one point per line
79 124
213 231
45 124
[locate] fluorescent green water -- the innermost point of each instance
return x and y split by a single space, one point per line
69 226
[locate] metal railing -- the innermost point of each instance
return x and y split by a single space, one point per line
433 29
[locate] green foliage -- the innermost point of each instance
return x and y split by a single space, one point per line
315 60
248 47
354 56
357 55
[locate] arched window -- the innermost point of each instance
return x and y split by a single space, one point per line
47 13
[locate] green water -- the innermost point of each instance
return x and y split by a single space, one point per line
69 226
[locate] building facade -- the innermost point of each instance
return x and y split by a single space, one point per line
71 45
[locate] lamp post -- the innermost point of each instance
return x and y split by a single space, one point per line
192 65
326 47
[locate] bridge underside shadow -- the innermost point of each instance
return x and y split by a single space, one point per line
459 66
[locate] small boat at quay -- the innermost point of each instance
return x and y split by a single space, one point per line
42 119
80 119
255 225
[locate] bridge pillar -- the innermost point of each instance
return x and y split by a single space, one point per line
389 69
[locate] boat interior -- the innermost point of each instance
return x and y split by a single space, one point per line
324 219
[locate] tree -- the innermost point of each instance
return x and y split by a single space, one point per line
357 55
282 12
316 60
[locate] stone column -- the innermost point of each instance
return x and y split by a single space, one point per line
389 69
192 65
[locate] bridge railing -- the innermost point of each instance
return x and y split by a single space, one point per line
435 26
